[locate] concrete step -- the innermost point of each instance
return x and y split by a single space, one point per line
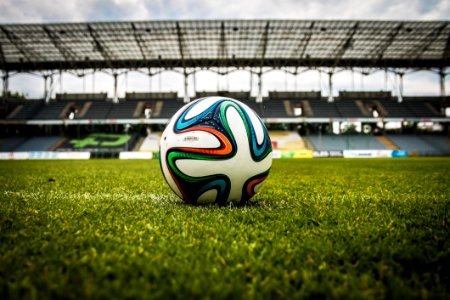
387 142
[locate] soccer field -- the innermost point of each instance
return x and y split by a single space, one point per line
334 228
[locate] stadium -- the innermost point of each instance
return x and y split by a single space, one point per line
86 212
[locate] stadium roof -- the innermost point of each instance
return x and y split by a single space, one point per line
225 43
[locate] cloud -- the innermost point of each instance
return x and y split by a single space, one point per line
28 11
14 11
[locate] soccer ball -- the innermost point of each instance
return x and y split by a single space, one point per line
215 150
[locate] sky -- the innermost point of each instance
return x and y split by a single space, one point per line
32 11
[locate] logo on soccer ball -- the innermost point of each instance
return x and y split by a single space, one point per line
215 149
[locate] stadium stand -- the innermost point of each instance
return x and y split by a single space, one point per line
151 96
394 109
345 142
278 105
387 142
348 108
50 111
11 143
38 143
422 107
323 109
293 99
162 104
439 142
123 110
387 105
360 104
83 105
348 105
365 94
275 109
25 110
81 96
98 110
6 107
422 144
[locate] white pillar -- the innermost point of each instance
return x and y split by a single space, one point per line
50 92
285 80
93 82
218 82
330 87
126 82
5 84
115 98
45 86
186 86
150 83
442 82
60 82
320 80
353 80
259 97
84 82
362 81
385 80
400 87
160 81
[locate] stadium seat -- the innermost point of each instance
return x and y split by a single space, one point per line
40 143
345 142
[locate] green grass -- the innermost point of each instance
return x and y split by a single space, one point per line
322 228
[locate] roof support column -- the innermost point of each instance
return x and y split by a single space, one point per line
330 87
186 86
295 80
48 93
353 79
115 98
362 80
60 82
45 86
150 83
259 97
84 83
400 87
93 81
5 84
386 79
442 82
52 87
